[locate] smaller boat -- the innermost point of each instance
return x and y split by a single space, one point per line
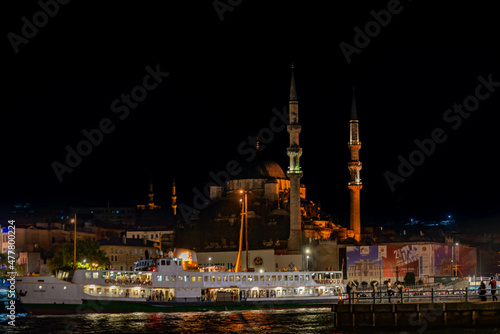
10 305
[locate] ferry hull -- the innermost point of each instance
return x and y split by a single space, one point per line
98 306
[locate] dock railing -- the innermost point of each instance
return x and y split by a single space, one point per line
407 295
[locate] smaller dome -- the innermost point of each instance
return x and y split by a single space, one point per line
261 169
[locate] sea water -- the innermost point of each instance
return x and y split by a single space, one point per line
265 321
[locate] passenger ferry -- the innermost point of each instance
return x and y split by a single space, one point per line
165 284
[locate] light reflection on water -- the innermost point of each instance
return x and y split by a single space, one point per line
267 321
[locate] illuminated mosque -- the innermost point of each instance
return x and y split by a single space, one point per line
279 215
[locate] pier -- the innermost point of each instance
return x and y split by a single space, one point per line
433 309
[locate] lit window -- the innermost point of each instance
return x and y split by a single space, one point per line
237 278
160 278
231 278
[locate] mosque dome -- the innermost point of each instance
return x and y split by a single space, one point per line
261 168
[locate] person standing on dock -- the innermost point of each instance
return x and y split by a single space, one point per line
390 292
482 291
348 289
493 287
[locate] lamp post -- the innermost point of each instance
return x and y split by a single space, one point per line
245 215
209 263
74 245
307 258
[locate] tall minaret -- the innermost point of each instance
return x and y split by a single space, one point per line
294 151
174 198
354 166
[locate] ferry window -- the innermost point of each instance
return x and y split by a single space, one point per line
225 278
186 278
244 278
193 278
88 274
95 275
219 279
237 278
231 278
180 278
160 278
199 278
290 278
296 277
256 278
205 278
250 278
99 291
168 262
280 277
268 278
166 278
307 277
273 278
104 274
262 278
301 277
173 278
135 250
285 277
212 278
106 291
162 262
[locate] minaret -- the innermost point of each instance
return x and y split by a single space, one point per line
151 202
294 151
174 198
354 166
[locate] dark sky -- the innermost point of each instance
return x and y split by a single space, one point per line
225 78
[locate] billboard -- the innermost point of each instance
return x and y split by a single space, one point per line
384 261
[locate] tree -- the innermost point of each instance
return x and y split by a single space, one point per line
10 265
409 278
88 252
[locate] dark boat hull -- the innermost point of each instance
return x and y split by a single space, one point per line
98 306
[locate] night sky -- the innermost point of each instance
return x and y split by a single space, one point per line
228 68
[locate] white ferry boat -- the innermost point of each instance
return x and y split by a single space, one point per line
164 284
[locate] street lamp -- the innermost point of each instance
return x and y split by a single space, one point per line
209 264
74 244
245 215
307 258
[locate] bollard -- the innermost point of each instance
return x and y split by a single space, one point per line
432 295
